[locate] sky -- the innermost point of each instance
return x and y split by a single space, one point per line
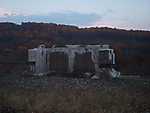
123 14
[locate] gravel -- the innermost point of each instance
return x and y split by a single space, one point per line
68 82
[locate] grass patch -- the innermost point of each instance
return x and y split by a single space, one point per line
105 100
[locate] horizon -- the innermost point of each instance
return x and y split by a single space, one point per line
89 27
128 15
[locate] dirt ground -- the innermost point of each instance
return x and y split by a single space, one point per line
51 94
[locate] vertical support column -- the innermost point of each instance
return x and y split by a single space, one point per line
113 55
95 55
95 60
31 68
41 61
32 53
110 55
71 56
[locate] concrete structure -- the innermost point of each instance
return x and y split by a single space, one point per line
37 58
71 59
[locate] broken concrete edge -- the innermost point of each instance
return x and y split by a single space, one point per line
40 57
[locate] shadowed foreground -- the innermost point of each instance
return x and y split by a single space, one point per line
111 96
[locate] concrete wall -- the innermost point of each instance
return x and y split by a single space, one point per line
72 58
39 57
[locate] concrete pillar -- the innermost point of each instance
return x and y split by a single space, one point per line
95 60
71 56
113 57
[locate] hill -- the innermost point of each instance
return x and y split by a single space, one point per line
132 47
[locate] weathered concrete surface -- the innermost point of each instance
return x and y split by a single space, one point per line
72 58
39 57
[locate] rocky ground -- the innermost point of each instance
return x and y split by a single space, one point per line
55 94
69 82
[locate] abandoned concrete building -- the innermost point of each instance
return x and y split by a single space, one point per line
72 59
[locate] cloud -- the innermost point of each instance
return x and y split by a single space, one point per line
64 17
120 24
67 17
107 19
6 13
102 23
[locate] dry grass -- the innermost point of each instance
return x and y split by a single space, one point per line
105 100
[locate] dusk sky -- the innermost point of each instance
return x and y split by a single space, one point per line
125 14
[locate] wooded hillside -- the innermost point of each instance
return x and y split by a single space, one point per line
132 47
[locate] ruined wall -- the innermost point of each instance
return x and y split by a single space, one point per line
73 58
38 58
